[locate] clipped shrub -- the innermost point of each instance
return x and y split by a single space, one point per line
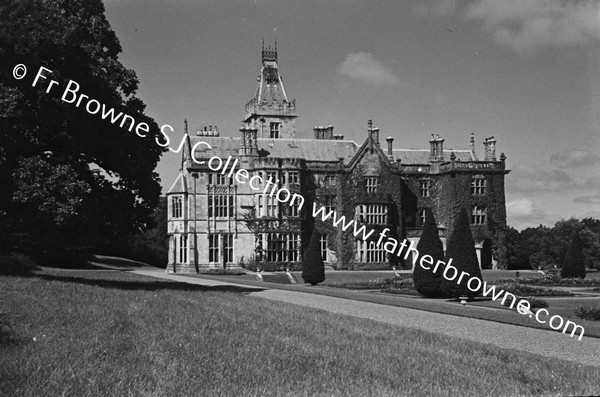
588 312
461 249
426 282
573 264
251 263
16 265
313 268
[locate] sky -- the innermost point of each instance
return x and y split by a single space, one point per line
524 71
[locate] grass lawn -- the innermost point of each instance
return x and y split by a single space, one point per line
114 333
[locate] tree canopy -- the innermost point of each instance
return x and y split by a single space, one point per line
545 247
65 173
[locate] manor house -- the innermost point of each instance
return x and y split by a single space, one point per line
216 222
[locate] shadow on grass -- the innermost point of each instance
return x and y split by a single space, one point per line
148 285
8 338
119 262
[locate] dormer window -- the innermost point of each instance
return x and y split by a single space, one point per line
371 183
274 130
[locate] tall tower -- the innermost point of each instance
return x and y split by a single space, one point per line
269 111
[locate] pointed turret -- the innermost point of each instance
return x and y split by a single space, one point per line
270 108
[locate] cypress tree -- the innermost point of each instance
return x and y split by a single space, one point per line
573 264
426 282
313 268
461 249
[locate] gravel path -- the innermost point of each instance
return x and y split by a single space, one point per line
543 342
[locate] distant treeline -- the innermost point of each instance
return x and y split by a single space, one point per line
545 247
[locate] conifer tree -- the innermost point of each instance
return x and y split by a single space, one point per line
461 249
426 282
313 268
573 264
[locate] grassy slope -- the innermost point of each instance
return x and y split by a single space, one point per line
101 333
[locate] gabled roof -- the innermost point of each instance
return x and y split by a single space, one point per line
179 186
307 149
366 146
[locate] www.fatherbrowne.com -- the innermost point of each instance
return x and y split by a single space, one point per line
391 245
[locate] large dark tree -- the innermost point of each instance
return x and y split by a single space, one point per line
461 249
426 282
573 264
69 178
313 268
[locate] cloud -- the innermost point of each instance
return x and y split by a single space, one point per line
594 199
519 208
534 179
593 182
522 213
362 66
436 7
527 25
572 158
592 214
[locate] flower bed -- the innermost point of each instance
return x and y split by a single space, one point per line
529 290
588 312
383 283
401 291
553 280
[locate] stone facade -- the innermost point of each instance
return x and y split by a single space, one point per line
219 217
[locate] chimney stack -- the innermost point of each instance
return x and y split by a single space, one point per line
389 141
318 132
376 135
436 148
253 141
243 141
328 132
489 149
440 148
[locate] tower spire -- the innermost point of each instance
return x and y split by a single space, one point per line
270 108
